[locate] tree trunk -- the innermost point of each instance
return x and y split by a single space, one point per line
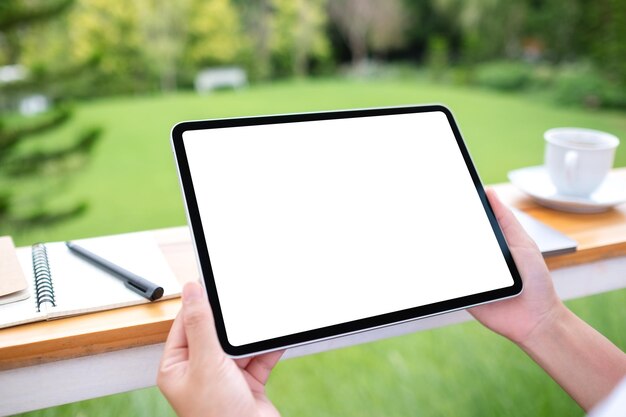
358 49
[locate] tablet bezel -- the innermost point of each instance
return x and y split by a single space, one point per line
203 258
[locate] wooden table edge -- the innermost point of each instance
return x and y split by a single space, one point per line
85 344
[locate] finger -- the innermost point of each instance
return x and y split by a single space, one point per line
513 230
261 366
176 338
175 350
503 214
199 327
243 362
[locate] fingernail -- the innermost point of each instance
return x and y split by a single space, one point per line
191 292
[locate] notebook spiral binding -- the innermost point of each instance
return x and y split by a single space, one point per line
43 278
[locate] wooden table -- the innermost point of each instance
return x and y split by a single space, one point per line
57 362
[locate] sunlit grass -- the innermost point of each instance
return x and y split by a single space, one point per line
131 183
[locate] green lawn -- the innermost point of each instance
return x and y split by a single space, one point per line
462 370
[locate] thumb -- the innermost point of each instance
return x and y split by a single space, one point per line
199 327
513 230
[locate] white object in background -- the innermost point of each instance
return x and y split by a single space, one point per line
34 104
212 78
12 73
578 160
536 182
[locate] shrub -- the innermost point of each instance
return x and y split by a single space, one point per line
437 59
615 97
576 86
504 75
583 85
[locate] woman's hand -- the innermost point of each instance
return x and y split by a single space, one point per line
538 304
197 377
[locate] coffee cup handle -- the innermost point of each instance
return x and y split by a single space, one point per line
571 162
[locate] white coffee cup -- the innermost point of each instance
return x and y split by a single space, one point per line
578 160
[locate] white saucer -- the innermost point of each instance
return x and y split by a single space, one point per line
536 182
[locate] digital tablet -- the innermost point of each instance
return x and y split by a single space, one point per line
316 225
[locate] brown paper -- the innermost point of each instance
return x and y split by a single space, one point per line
12 277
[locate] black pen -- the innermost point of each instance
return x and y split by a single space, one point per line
132 281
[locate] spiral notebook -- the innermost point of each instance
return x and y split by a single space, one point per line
60 284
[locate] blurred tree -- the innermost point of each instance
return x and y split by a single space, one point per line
605 31
556 23
486 28
257 17
145 44
214 33
22 155
164 26
389 27
438 57
16 14
369 25
113 31
425 23
352 19
298 34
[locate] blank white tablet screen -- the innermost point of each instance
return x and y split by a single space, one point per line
312 224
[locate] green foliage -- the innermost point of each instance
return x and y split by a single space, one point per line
504 75
474 29
111 31
16 16
147 45
556 25
30 170
256 18
18 13
12 135
298 35
607 38
163 26
215 35
580 87
438 57
141 46
573 85
53 162
585 86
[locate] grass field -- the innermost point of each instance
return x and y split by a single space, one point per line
462 370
